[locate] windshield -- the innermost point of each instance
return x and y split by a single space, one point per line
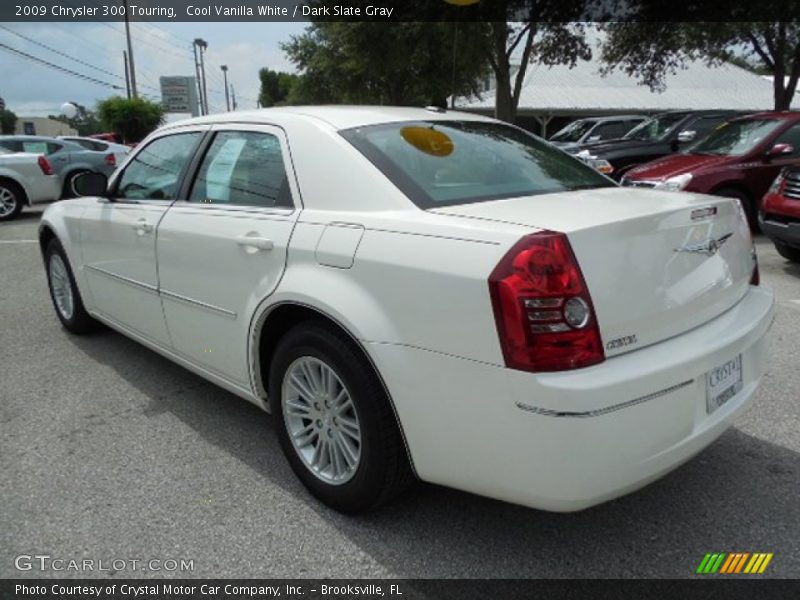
573 132
441 163
735 137
654 129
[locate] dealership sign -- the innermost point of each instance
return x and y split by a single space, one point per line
179 95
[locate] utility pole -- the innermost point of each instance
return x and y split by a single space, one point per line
233 97
201 45
127 74
227 96
201 111
130 63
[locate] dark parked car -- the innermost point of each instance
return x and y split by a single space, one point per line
779 216
595 129
663 134
739 159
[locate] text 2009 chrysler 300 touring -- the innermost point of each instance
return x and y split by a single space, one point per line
424 293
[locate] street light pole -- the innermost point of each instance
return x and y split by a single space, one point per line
131 66
227 95
200 45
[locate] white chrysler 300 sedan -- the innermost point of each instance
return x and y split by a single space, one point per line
413 292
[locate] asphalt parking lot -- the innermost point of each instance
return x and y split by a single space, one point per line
109 451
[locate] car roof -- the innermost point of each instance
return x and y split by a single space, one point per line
786 115
339 117
613 118
29 138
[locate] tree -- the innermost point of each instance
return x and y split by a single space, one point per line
403 63
276 87
650 50
8 121
132 118
85 121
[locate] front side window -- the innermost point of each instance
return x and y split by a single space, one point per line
154 173
611 130
736 138
441 163
243 168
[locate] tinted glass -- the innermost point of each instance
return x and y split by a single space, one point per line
609 131
11 145
440 163
654 129
704 126
736 137
792 137
243 168
573 132
155 171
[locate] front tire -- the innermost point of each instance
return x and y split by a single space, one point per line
64 292
334 420
11 200
787 252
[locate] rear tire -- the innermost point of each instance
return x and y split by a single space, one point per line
12 198
746 202
69 184
64 292
787 252
352 464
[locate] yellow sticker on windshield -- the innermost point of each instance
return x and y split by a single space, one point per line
428 140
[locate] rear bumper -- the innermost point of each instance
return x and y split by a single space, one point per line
43 188
567 441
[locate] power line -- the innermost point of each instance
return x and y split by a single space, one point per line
64 54
59 67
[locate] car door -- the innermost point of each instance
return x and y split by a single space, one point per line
223 249
119 235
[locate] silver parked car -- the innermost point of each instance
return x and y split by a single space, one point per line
120 151
595 129
67 158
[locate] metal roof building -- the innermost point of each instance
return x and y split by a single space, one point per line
562 93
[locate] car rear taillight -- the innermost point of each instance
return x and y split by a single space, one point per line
544 313
45 165
111 160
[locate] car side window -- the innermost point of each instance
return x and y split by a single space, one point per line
610 131
154 172
11 145
792 137
704 125
35 147
53 148
243 168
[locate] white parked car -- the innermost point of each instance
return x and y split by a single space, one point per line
25 179
423 293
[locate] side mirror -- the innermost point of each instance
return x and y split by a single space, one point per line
91 184
780 150
686 136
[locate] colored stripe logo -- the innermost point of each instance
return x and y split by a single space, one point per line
734 562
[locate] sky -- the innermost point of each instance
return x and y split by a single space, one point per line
95 49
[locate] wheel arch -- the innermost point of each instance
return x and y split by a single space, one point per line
732 185
275 321
6 177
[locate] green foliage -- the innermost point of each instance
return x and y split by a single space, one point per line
85 121
650 50
387 63
276 86
8 121
132 118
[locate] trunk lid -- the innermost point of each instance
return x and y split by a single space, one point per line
654 268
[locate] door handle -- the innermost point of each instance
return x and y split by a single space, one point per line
142 226
252 241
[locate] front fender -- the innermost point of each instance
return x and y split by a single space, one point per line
63 221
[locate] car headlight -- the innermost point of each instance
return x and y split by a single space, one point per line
776 185
601 165
674 184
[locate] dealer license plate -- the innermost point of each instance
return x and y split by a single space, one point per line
723 383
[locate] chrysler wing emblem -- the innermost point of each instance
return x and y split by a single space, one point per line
707 247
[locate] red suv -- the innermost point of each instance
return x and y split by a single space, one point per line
738 159
779 216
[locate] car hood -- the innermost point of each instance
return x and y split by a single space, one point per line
676 164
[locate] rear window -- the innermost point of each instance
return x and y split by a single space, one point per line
442 163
